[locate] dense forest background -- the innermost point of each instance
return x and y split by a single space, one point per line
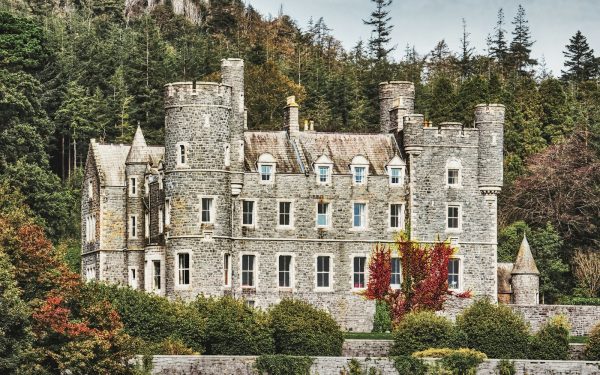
71 71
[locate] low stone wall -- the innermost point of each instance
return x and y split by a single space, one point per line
244 365
366 348
582 318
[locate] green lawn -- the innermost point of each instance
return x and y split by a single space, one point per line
367 336
578 339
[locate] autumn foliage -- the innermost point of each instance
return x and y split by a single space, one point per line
424 277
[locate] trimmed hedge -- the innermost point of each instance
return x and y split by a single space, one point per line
552 340
301 329
457 361
592 348
279 364
494 330
422 330
409 365
588 301
233 328
152 318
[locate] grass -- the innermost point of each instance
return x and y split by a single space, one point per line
367 336
578 339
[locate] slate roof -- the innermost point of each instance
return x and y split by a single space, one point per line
275 143
525 264
110 161
138 152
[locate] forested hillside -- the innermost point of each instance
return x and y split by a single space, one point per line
71 71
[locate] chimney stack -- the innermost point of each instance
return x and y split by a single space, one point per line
290 117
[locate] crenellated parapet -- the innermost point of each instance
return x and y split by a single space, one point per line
186 94
489 120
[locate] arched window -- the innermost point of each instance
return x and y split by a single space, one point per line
453 173
266 168
360 170
396 170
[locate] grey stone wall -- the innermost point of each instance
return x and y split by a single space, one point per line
366 348
582 318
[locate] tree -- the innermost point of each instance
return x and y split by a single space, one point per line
587 271
466 56
520 46
580 63
497 44
380 21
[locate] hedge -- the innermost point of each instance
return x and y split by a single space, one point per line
552 340
422 330
592 347
279 364
457 361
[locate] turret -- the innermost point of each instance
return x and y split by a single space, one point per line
525 277
413 133
398 96
135 167
489 119
232 73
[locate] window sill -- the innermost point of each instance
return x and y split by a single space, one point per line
395 229
324 229
453 230
285 228
182 286
285 289
324 290
360 229
458 187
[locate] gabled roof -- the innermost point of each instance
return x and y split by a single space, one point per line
110 161
275 143
525 264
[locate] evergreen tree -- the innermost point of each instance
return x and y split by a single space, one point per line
580 64
497 44
466 56
380 21
520 47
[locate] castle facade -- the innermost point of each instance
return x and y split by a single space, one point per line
222 210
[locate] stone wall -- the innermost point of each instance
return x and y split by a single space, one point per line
582 318
366 348
244 365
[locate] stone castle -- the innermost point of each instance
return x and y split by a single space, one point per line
222 210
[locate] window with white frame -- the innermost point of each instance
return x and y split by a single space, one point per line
396 275
360 169
90 228
156 270
285 271
227 270
453 217
133 277
323 271
395 170
146 186
266 168
133 186
284 218
358 272
147 225
168 211
396 216
248 270
453 173
248 208
454 273
133 226
183 267
182 154
323 215
359 175
90 273
323 167
359 215
208 207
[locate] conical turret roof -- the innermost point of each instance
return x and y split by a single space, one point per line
138 153
525 264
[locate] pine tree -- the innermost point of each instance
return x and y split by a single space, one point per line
520 47
497 45
382 28
466 56
580 64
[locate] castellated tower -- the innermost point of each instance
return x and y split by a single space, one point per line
489 119
200 120
398 96
232 73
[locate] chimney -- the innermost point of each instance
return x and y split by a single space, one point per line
312 126
305 125
290 117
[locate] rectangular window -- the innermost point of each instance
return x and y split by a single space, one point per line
133 186
227 269
248 212
133 283
182 154
359 215
147 225
285 270
207 210
453 217
359 175
168 211
323 272
396 216
160 221
156 274
396 277
248 270
322 214
133 226
266 173
285 214
396 176
324 174
90 190
454 273
184 268
359 272
453 176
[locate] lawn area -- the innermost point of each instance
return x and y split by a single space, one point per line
367 335
578 339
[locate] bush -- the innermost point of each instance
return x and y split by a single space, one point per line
552 340
283 365
589 301
233 328
592 348
422 330
456 361
356 368
382 321
506 367
494 330
152 318
408 365
301 329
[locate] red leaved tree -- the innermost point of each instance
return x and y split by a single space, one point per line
424 277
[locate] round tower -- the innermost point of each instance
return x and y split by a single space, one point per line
413 133
489 119
232 73
197 184
525 277
398 95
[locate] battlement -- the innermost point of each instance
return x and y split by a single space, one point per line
197 94
489 113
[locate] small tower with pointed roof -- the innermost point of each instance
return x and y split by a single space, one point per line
525 277
135 167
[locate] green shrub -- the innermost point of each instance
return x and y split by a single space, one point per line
279 364
233 328
590 301
422 330
152 318
506 367
171 347
408 365
382 321
552 340
356 368
463 361
301 329
494 330
592 348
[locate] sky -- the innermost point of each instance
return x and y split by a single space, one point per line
423 23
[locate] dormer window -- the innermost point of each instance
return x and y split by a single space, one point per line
182 154
360 169
323 166
266 168
453 173
395 170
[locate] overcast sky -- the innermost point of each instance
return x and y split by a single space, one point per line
424 22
